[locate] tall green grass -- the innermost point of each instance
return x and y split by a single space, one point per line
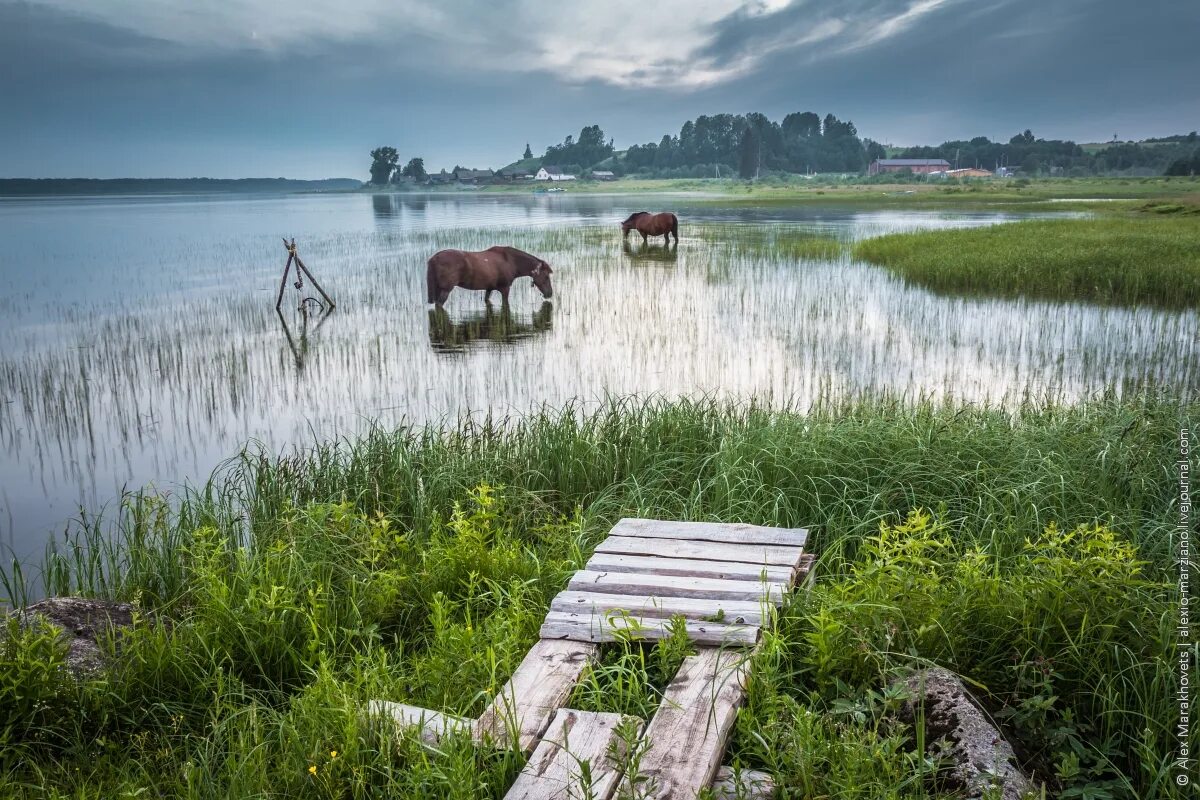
1127 260
415 565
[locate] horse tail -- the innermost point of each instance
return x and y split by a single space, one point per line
431 282
675 227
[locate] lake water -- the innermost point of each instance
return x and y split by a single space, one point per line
139 341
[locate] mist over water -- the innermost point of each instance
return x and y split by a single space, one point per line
139 341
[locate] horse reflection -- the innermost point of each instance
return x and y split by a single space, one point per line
490 326
666 254
310 309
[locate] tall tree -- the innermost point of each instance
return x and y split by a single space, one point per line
804 124
383 162
415 169
528 151
749 153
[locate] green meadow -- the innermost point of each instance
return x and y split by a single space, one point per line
1029 550
1148 258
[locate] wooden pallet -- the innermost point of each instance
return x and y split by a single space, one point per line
723 580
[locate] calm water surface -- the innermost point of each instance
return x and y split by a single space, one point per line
139 341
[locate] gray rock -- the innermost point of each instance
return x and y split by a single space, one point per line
83 623
984 765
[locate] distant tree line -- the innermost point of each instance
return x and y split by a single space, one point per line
94 186
1034 156
753 144
576 156
385 169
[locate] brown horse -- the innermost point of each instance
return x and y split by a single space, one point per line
493 269
664 224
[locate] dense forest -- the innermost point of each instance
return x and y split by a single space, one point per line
1033 156
753 145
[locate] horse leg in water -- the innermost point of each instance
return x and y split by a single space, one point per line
504 294
442 295
645 239
487 297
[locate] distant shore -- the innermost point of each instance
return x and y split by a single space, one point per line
56 187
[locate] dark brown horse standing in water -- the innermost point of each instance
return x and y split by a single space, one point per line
493 269
664 224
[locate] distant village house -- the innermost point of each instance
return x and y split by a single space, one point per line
914 165
603 175
464 175
552 174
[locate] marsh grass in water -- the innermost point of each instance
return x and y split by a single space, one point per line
416 565
1131 260
156 352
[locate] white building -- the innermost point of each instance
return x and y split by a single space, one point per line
552 174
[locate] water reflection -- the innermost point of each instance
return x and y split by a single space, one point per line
491 326
384 206
662 253
145 348
310 310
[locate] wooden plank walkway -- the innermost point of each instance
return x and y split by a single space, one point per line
687 736
579 758
539 687
723 580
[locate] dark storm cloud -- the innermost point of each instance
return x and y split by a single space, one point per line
93 90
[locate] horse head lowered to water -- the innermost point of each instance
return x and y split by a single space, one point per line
491 270
664 224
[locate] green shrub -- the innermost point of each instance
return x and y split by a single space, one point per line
1068 641
35 688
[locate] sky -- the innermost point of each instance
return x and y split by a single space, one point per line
306 88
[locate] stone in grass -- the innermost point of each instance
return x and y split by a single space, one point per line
83 623
984 764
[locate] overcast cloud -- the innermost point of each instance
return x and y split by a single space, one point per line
231 88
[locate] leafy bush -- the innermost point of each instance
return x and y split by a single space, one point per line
1068 641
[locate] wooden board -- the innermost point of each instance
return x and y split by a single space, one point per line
554 771
591 628
433 725
771 555
540 685
737 612
688 567
674 586
687 736
746 784
732 533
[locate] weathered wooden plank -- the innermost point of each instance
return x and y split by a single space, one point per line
433 725
770 555
729 532
714 610
537 689
596 628
674 586
555 770
688 567
804 569
687 736
746 784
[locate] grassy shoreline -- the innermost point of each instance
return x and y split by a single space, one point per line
415 565
797 189
1132 259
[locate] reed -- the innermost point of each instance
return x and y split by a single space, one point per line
1142 260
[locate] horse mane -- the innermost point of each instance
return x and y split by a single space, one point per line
634 216
530 260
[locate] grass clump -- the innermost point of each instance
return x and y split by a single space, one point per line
416 566
1123 260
